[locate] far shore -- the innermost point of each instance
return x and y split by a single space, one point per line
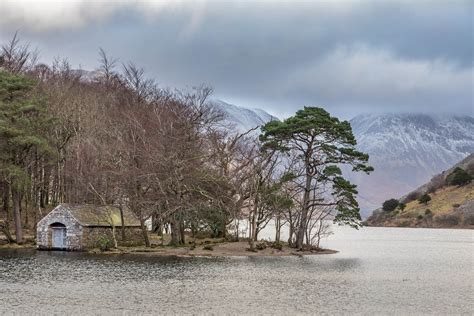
223 249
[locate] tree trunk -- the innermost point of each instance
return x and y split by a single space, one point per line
277 228
144 232
122 221
17 216
6 201
253 225
290 236
174 233
114 238
181 233
237 223
25 211
300 234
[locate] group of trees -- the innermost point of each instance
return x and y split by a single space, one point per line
119 139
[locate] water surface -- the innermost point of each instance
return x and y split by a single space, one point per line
377 270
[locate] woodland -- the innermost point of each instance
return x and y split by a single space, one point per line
118 138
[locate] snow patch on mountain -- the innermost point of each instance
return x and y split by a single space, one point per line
406 150
240 118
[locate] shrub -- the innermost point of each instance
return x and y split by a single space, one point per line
456 205
104 243
277 245
420 217
261 245
469 219
390 205
428 212
459 177
424 199
402 206
404 223
448 219
208 247
231 238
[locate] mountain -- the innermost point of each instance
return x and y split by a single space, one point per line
242 119
450 205
406 150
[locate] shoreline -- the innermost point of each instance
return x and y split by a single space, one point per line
463 227
225 249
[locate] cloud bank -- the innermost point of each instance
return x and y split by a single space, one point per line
348 56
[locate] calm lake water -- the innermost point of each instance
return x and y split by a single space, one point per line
377 271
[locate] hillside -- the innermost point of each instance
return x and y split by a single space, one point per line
406 150
450 205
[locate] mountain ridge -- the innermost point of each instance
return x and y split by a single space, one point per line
406 150
241 118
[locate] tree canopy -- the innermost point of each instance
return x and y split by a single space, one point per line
321 144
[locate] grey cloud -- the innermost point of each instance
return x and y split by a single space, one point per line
348 56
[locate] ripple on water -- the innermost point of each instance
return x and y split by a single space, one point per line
376 271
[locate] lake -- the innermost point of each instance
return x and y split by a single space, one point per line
377 271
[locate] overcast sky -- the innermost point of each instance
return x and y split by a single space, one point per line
349 57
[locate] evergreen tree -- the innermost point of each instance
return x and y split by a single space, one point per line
459 177
390 205
321 143
23 124
424 199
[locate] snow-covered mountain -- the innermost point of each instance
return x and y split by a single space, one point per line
406 150
242 119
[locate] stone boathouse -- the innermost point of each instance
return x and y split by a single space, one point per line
84 226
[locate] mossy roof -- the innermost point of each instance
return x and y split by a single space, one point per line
94 215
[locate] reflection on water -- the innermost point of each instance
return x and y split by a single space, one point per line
378 270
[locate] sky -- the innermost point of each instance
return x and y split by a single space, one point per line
349 57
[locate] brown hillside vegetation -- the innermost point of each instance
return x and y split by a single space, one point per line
450 205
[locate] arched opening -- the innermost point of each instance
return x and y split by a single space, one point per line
58 235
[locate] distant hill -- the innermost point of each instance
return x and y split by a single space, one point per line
406 150
450 205
242 119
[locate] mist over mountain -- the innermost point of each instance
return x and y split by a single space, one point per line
406 150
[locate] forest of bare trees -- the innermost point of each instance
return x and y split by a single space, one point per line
120 139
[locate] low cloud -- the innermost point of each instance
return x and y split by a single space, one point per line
348 56
377 79
53 15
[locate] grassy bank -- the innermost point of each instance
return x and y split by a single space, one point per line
219 249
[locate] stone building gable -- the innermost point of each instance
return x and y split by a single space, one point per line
60 214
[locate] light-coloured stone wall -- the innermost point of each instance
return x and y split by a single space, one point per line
61 215
80 237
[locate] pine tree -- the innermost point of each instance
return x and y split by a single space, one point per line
321 143
22 127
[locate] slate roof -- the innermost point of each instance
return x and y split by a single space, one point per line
94 215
